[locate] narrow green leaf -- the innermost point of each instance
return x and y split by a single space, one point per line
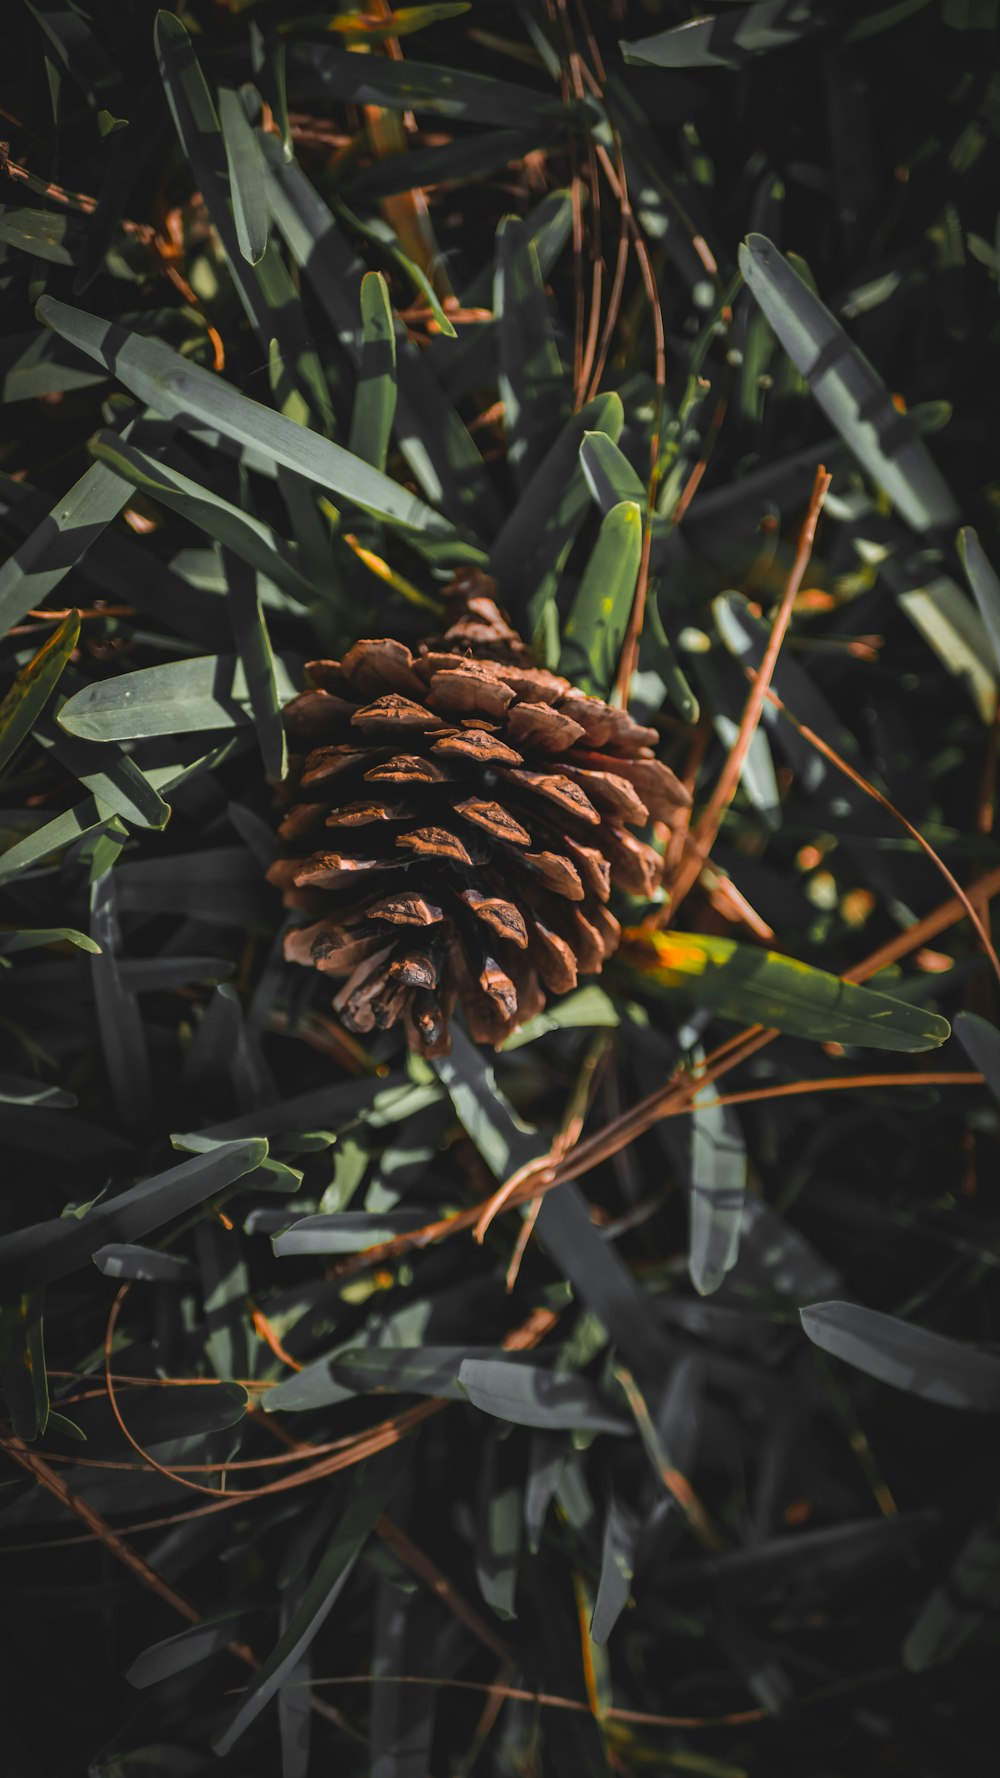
246 176
56 546
726 40
176 1654
198 397
30 938
956 1609
375 396
108 773
533 544
377 230
533 383
530 1395
253 646
595 626
762 987
370 1492
87 817
847 388
181 697
49 1250
240 531
718 1190
985 585
315 71
911 1358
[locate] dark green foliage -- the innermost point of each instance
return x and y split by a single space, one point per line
696 1459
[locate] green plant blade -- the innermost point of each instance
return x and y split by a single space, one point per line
197 397
246 176
375 396
762 987
911 1358
34 686
848 390
595 626
533 383
48 1250
985 585
528 1395
218 518
369 1495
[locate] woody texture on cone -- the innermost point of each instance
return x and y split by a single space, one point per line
453 824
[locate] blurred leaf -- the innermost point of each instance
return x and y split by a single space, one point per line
718 1189
911 1358
119 1021
189 1649
260 670
351 1231
370 1490
955 1610
320 72
532 1396
729 38
533 383
31 938
981 1043
618 1549
985 587
145 1264
762 987
847 389
48 1250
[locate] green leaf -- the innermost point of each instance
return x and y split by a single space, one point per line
39 564
911 1358
108 773
269 298
34 686
29 938
21 1089
370 1491
985 585
533 544
182 697
198 397
315 71
349 1231
728 39
226 524
595 626
956 1609
718 1191
530 1395
49 1250
532 381
125 1259
253 646
485 1114
87 817
762 987
246 176
377 230
981 1043
375 396
176 1654
618 1548
848 390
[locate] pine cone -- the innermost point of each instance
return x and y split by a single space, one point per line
479 809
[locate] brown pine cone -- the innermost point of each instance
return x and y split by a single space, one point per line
454 823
